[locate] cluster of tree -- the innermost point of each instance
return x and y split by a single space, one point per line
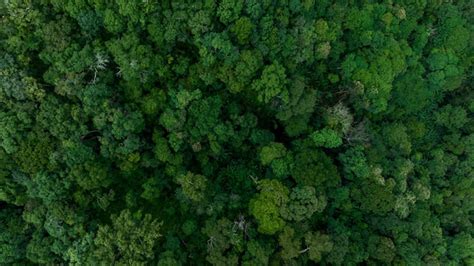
236 132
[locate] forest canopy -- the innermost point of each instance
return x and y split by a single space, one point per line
236 132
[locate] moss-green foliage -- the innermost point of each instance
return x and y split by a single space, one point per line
266 206
232 132
303 203
327 138
130 240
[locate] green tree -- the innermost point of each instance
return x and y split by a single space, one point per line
271 152
317 244
327 138
193 186
265 207
271 84
130 239
290 246
303 203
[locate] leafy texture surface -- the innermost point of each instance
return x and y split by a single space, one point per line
236 132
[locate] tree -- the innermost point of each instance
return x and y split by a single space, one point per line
272 152
451 117
223 242
381 248
129 239
339 118
327 138
193 186
256 254
317 244
265 207
229 11
303 203
243 29
33 153
460 248
314 168
271 84
290 247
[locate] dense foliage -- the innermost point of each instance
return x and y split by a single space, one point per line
236 132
